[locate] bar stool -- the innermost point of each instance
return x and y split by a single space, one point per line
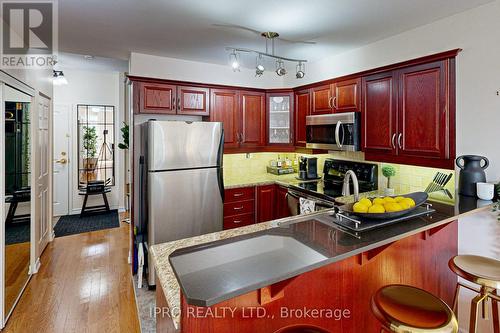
484 272
406 309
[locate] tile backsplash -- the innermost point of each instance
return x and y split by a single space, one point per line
407 179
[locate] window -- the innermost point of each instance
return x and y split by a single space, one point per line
96 144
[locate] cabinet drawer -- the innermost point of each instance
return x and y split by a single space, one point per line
238 221
240 207
240 194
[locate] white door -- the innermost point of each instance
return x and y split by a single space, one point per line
41 153
61 152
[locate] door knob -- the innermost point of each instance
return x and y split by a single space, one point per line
62 161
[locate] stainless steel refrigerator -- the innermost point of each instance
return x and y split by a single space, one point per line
184 183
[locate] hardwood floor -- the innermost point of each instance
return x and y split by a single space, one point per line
17 261
83 285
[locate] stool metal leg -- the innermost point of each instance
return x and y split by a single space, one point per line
476 301
496 320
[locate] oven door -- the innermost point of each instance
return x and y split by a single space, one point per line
333 131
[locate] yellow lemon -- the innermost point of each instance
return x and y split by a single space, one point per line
389 199
365 201
359 208
376 209
409 201
399 199
392 207
404 204
378 201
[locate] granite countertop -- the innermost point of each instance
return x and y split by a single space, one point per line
301 230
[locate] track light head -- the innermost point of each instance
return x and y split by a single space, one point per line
280 68
300 73
234 61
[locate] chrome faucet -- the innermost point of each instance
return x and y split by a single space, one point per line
346 190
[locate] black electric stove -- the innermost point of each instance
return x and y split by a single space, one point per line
333 179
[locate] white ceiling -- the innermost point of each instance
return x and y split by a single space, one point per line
185 28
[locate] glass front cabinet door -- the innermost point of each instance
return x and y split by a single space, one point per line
280 106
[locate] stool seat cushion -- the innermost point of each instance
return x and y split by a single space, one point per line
480 270
406 307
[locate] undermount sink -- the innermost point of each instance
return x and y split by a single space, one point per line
208 275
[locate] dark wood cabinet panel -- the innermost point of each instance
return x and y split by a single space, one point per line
266 199
239 207
321 99
193 101
237 221
379 127
281 202
239 194
347 96
224 107
302 110
423 111
253 119
157 98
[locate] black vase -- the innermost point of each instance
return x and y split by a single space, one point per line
471 173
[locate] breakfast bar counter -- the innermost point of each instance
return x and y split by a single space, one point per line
276 264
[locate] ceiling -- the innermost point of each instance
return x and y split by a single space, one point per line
185 28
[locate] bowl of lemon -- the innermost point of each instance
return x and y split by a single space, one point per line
386 207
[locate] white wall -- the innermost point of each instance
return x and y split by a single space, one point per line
192 71
93 87
478 71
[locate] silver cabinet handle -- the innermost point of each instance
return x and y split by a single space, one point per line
238 208
335 102
337 134
178 103
237 195
400 136
237 221
393 141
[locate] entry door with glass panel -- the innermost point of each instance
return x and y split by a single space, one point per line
279 123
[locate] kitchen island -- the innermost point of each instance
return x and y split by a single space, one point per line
302 270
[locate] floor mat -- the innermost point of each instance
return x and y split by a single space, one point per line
74 224
17 233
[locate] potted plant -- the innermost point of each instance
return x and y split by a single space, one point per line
388 171
125 132
89 141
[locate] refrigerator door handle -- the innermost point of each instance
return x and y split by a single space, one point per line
220 159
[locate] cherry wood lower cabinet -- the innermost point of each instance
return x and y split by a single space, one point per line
266 202
239 207
282 209
344 288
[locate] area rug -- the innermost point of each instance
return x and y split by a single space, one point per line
17 233
74 224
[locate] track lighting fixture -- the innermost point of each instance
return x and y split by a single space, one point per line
300 71
234 61
259 67
280 67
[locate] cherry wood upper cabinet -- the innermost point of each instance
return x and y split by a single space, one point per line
321 99
192 101
347 96
253 119
302 110
379 114
225 108
423 110
157 98
266 199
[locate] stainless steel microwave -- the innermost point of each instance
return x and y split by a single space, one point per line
337 131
